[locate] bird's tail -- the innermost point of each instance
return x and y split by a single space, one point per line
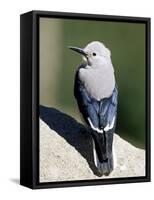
102 151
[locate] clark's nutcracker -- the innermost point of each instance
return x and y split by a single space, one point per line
96 93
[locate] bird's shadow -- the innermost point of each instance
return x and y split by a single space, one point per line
72 131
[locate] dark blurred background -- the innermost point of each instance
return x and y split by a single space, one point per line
58 65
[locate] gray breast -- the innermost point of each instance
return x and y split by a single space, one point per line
98 82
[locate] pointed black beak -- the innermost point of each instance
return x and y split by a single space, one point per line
78 50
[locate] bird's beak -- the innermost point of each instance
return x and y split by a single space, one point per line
79 50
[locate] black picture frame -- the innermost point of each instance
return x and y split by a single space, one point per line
29 99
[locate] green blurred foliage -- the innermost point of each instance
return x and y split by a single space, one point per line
127 44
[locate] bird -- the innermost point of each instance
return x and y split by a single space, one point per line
96 93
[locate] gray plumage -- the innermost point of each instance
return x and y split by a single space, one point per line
94 79
98 78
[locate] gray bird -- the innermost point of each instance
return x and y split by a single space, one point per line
96 92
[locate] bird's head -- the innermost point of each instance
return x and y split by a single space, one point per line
94 54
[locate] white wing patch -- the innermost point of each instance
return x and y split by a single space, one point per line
108 127
94 128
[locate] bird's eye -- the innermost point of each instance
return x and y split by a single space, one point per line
94 54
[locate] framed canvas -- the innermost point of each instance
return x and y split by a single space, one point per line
90 67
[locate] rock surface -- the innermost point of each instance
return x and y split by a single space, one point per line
68 155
